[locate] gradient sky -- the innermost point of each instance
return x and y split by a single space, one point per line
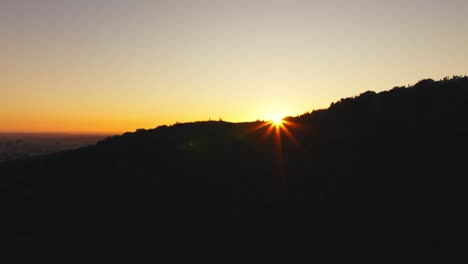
114 65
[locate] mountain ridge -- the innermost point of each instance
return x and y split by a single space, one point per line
376 178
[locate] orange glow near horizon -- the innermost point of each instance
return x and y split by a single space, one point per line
99 66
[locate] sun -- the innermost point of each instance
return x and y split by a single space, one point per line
279 126
277 120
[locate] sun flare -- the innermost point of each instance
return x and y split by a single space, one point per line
277 120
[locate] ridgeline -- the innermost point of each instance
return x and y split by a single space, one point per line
378 178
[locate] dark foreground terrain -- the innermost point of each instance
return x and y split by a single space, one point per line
379 178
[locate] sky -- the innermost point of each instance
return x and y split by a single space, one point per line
115 66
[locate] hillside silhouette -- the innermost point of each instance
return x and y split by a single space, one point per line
377 178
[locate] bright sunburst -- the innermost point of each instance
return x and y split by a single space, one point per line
279 126
277 120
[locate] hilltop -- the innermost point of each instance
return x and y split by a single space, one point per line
377 178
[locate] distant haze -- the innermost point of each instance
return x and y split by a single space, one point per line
22 145
114 66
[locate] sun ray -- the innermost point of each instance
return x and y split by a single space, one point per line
268 131
264 124
289 123
289 135
278 126
280 129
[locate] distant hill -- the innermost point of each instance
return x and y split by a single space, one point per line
23 145
378 178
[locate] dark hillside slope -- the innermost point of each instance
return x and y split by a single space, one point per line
379 178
